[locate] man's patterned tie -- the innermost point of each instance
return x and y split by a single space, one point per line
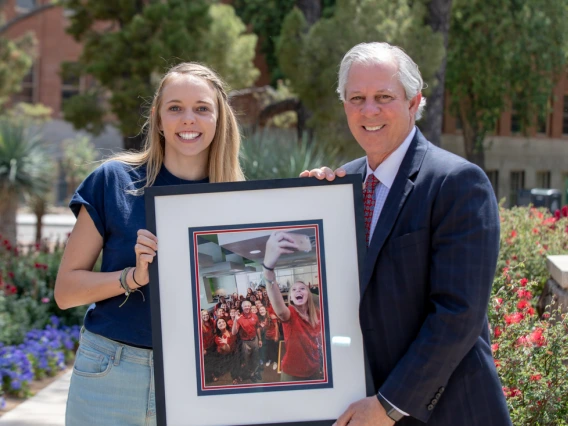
369 203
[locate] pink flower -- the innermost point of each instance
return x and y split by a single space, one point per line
524 282
537 338
494 347
523 341
513 233
535 377
45 300
523 304
515 318
497 332
511 392
530 311
565 211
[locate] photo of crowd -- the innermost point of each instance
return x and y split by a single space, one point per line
268 331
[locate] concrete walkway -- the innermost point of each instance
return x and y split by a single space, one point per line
46 408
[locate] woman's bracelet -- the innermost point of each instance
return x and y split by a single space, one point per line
134 278
124 285
267 268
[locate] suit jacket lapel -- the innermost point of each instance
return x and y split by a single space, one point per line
401 188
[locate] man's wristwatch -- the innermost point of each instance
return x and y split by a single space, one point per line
392 412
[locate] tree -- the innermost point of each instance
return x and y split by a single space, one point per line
25 170
311 59
78 161
128 44
439 12
503 54
16 58
266 18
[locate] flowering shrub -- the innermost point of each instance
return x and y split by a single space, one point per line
528 235
27 280
530 352
43 353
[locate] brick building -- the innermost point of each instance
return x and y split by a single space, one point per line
513 161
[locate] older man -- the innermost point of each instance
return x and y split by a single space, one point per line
433 239
248 329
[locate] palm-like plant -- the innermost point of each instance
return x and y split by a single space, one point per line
25 170
276 153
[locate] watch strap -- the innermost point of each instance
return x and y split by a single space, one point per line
392 412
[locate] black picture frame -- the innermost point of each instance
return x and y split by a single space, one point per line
173 212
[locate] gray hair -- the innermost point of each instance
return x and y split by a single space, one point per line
246 302
377 53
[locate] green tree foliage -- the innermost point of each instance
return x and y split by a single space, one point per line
127 44
266 18
16 58
311 59
79 156
503 54
228 49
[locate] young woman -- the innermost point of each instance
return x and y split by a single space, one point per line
227 358
300 321
271 338
191 137
208 342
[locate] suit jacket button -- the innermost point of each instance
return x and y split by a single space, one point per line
438 395
430 407
434 401
441 390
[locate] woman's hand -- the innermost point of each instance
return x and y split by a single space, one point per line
145 248
279 243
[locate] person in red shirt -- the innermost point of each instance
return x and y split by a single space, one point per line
270 334
231 321
208 345
300 321
227 358
246 326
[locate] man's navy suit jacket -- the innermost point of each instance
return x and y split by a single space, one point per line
426 284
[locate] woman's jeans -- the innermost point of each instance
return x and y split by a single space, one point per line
112 384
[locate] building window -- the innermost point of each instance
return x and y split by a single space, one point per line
25 6
517 183
70 80
493 176
27 92
565 116
543 179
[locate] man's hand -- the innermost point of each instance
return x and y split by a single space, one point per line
260 343
323 173
365 412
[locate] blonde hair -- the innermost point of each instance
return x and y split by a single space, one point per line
313 315
223 161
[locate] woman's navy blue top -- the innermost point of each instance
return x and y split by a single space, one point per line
118 216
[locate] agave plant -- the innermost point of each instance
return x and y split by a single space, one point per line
276 153
25 170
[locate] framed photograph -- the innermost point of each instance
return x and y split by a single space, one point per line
230 346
